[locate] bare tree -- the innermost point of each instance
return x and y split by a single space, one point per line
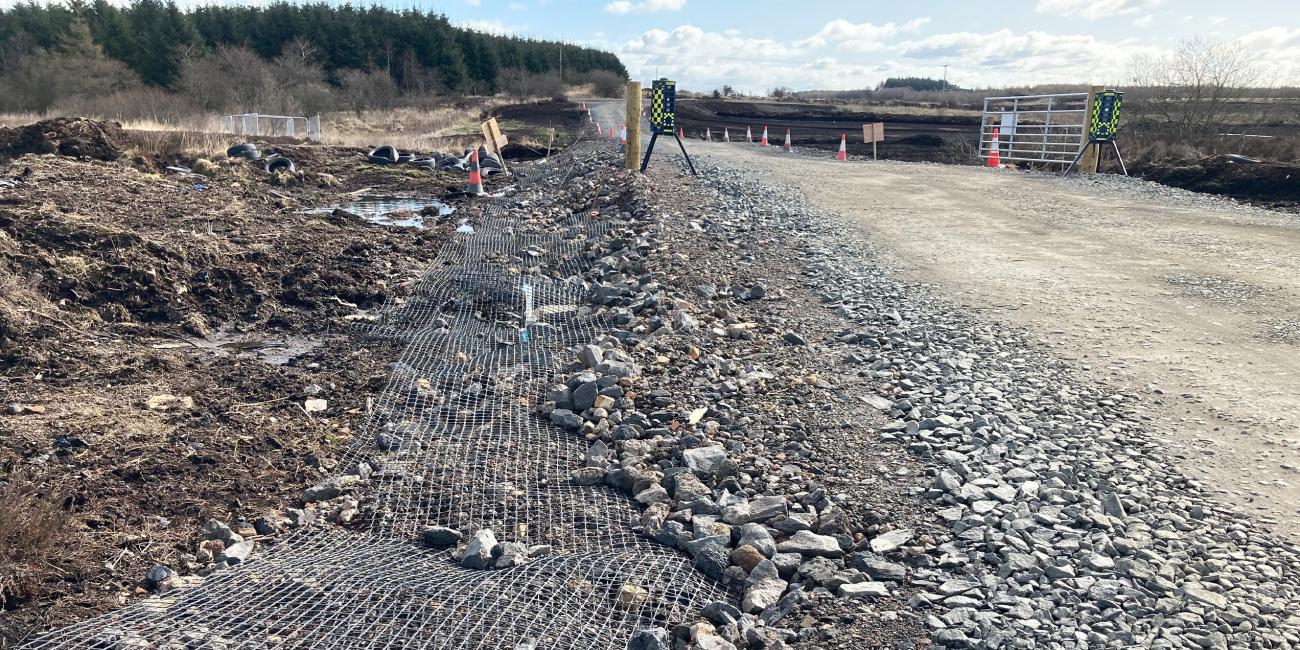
1187 90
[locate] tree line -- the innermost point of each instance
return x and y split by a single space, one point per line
61 53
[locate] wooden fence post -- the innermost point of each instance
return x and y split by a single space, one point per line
1092 155
632 158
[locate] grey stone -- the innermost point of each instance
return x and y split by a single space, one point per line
213 529
809 543
891 541
864 590
763 588
478 554
704 461
441 536
652 638
236 553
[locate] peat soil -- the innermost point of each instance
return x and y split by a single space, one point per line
161 335
935 138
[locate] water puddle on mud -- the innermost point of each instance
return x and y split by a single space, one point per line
275 350
392 211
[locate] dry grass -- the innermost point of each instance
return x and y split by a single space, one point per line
443 128
418 129
33 536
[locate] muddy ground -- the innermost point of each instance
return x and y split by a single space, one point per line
160 333
921 137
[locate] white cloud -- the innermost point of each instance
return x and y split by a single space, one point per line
860 37
626 6
473 3
846 55
1094 9
1144 20
492 27
517 6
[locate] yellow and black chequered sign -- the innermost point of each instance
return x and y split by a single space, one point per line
1105 116
663 105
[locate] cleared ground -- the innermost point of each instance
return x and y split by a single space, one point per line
1187 300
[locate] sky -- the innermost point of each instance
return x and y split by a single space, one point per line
757 45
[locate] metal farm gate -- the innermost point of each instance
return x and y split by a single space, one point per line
1035 128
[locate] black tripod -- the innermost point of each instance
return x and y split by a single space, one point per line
651 149
1112 142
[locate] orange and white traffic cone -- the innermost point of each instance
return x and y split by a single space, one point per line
843 154
764 142
475 175
622 136
681 132
611 133
708 134
590 119
597 128
995 149
788 147
726 134
749 135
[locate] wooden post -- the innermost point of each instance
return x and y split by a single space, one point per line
1091 155
632 158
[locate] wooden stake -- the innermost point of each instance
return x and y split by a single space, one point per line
1091 155
632 158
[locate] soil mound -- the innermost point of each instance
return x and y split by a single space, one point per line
66 136
1262 181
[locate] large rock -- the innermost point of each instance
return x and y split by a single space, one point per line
763 588
652 638
808 543
704 461
892 540
478 554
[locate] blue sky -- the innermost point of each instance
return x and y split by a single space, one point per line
760 44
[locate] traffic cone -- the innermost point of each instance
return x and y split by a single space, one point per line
590 119
611 133
623 138
726 134
681 133
995 149
708 134
843 154
764 142
597 128
749 135
475 176
788 147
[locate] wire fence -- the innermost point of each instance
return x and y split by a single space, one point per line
453 440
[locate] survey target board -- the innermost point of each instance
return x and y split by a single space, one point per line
1105 116
663 105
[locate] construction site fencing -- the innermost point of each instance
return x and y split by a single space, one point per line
453 440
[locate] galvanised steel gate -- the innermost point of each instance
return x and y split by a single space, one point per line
1035 128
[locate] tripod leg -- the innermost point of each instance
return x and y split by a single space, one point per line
1118 157
654 135
688 157
1076 160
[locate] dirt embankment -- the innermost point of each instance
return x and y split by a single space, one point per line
1271 184
159 335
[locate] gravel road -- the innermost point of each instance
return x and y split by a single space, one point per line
1184 299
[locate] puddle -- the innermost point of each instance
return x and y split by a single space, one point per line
275 350
390 211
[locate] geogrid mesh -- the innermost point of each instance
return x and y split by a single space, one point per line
453 441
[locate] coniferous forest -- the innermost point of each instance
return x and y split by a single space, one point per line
280 56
